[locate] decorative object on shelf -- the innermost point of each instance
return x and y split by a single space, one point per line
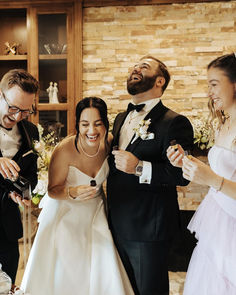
47 48
64 49
55 94
55 48
50 92
12 49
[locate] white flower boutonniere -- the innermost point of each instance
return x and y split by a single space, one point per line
142 131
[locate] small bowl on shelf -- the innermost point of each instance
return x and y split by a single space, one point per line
55 48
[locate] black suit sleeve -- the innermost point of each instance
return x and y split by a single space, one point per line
163 172
28 164
10 218
31 173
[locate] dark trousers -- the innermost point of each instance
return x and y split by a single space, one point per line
146 264
9 258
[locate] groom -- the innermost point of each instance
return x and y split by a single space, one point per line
143 209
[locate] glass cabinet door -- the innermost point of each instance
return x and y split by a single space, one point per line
13 41
52 49
40 38
52 44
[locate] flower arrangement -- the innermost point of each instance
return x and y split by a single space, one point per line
203 133
111 119
43 148
142 132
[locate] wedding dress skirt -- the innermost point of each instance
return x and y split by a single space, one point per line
212 269
73 251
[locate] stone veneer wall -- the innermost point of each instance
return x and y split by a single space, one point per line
186 37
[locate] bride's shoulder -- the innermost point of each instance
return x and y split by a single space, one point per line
66 145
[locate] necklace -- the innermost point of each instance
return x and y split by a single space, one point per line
90 156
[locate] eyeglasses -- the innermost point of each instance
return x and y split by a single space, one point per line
15 110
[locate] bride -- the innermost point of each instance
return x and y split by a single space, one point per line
73 251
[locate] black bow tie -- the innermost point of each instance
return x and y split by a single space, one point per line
137 107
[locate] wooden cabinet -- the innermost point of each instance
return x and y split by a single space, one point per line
48 38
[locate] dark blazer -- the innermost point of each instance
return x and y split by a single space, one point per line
149 212
10 218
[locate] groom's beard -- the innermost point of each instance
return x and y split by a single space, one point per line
135 87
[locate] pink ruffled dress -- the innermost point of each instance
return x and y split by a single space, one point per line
212 269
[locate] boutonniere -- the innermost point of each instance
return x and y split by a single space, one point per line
142 131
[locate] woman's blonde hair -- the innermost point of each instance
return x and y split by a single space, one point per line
226 63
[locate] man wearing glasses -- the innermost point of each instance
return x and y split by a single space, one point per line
18 90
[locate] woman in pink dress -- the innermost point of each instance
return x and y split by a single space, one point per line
212 269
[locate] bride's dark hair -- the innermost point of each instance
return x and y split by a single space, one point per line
92 102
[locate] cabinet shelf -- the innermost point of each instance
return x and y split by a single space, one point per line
13 57
52 56
52 106
32 26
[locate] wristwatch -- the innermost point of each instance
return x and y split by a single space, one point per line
139 168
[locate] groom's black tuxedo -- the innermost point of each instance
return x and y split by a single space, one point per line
148 212
10 220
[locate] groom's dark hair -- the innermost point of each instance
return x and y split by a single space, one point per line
161 71
92 102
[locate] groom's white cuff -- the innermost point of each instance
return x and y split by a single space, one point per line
146 173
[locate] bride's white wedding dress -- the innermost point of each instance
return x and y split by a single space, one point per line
73 251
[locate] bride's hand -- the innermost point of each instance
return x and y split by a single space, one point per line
83 192
175 155
197 171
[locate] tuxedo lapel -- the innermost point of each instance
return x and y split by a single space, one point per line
25 141
116 131
154 114
26 144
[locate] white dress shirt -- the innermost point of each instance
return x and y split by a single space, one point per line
10 141
127 132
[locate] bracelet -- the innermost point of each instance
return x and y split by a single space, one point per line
221 184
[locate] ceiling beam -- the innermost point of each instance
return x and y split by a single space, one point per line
102 3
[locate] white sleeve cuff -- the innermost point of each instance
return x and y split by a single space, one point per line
147 173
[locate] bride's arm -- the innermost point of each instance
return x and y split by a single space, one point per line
58 170
57 175
229 188
198 172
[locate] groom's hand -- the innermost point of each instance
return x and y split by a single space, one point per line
19 200
125 161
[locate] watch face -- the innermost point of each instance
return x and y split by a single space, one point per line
139 169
